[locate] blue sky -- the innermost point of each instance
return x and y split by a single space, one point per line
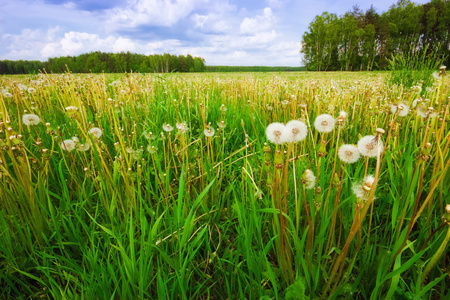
224 32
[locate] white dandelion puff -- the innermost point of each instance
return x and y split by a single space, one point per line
30 119
422 111
22 87
343 115
367 146
68 145
296 131
324 123
152 149
362 189
71 108
7 95
209 132
182 127
349 153
308 179
436 75
167 127
401 109
136 154
95 131
276 133
83 147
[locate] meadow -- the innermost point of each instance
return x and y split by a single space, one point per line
295 185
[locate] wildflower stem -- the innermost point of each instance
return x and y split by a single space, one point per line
340 260
334 169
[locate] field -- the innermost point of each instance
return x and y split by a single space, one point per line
200 186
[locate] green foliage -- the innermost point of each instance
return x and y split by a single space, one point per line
415 68
297 290
361 40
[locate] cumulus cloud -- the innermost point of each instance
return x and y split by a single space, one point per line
152 12
211 23
74 43
259 23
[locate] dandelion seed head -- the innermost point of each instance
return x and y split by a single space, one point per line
401 109
83 147
209 132
367 146
167 127
308 179
296 131
71 108
276 133
96 132
324 123
182 127
349 153
68 145
30 119
362 189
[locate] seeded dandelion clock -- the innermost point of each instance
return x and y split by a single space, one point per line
324 123
30 119
68 145
362 189
167 127
182 127
367 146
401 109
308 179
95 131
209 132
349 153
296 131
83 147
276 133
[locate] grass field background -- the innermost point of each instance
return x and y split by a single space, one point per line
183 196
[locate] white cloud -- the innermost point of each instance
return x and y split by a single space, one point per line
75 43
258 23
211 23
171 46
123 44
199 20
151 12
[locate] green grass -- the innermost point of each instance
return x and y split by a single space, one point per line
146 214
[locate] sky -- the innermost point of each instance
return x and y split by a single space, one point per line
223 32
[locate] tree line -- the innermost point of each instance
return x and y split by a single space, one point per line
361 40
97 62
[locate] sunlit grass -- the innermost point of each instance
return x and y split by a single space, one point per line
136 186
